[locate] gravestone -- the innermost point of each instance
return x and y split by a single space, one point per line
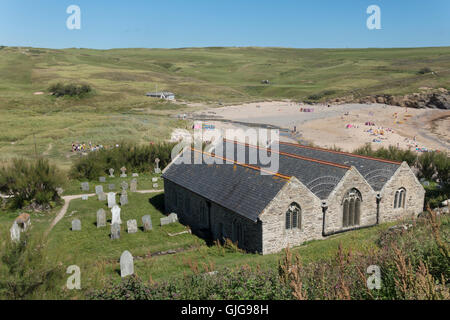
102 179
126 264
147 222
124 185
111 186
133 185
123 199
85 186
123 174
115 231
132 226
157 169
155 186
111 199
84 197
59 191
171 218
102 197
15 232
111 173
135 175
154 180
116 215
101 218
98 189
76 225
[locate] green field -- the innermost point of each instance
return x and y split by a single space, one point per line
118 109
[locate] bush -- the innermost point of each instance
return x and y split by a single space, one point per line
73 90
425 70
31 183
24 270
133 157
229 284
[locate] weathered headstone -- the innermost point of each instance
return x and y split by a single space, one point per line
111 173
124 185
102 179
155 186
171 218
157 169
116 215
126 264
133 185
85 186
111 186
135 175
155 179
147 222
111 199
101 218
102 197
98 189
76 225
115 231
84 197
59 191
132 226
123 174
123 199
15 232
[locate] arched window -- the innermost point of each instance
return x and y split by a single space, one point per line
400 198
294 217
351 208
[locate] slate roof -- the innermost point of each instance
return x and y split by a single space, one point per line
237 188
376 171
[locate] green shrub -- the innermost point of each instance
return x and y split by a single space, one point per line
31 183
72 90
134 158
425 70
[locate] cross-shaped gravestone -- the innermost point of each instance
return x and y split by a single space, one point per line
132 226
85 186
157 169
147 222
101 218
115 231
111 173
126 264
111 199
123 170
76 225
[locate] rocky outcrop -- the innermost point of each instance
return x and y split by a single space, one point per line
439 99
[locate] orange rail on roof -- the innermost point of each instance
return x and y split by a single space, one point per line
339 152
328 163
243 164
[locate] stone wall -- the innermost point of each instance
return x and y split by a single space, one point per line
415 195
334 214
275 236
210 220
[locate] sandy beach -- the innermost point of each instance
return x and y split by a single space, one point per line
347 126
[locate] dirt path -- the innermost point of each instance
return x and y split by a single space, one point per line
67 200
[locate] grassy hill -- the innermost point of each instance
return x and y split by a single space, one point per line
118 108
